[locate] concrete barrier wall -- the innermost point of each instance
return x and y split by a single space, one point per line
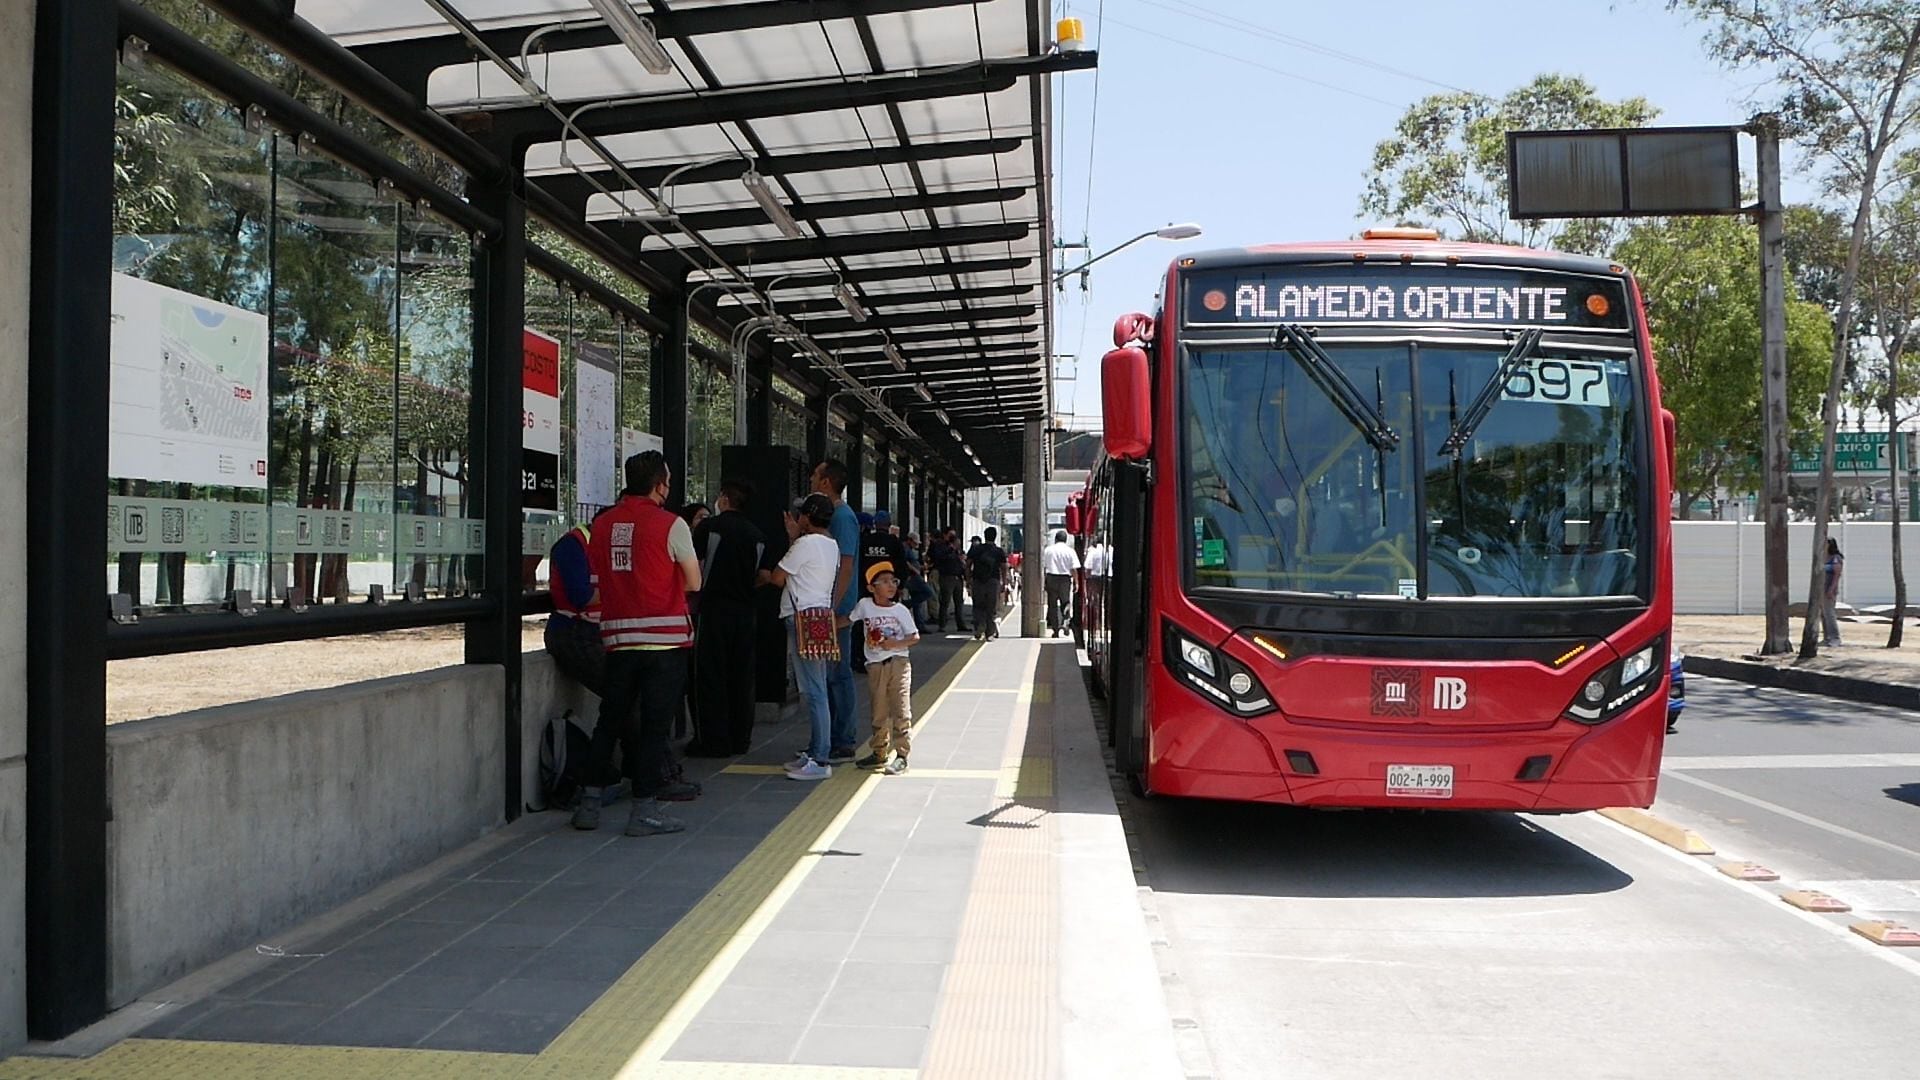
16 184
233 823
1720 569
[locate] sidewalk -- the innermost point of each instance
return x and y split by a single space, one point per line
974 917
1862 669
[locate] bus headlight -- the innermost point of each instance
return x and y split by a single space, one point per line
1618 686
1215 676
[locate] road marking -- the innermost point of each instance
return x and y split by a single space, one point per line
1814 900
1904 961
1804 819
1874 894
1883 932
1794 761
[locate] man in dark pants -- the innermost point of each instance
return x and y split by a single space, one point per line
643 567
987 565
731 550
950 564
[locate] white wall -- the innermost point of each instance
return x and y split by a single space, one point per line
1719 566
232 823
16 182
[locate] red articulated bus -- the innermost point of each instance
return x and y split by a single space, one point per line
1384 523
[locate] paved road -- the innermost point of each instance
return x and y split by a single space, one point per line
1309 945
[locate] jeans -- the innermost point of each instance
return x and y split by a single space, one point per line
642 698
840 694
1829 622
812 677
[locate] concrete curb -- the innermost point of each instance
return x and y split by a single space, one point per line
1846 688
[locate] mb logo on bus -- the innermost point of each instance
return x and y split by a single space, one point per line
1449 694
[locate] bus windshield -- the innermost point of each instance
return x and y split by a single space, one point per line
1535 495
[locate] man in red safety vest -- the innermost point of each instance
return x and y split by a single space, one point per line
643 566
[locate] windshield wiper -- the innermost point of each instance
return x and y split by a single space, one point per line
1339 389
1523 348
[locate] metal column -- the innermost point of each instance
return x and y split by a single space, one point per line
882 480
67 393
817 407
1033 582
855 463
760 400
495 431
1774 454
668 413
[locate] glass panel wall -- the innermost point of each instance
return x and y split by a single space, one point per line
291 350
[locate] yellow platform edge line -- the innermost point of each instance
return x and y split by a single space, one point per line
1666 832
167 1059
630 1028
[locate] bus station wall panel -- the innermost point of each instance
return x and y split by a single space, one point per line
233 823
16 183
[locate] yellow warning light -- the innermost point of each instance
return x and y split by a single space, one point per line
1568 655
1270 646
1071 34
1597 304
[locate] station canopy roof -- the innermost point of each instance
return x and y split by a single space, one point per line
907 140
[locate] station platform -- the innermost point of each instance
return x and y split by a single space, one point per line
976 916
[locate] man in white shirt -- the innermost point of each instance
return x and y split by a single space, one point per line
1059 561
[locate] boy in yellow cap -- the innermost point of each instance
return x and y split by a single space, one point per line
890 632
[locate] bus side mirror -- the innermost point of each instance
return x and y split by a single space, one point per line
1126 400
1673 445
1073 519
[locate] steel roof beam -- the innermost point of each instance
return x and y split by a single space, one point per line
905 272
523 125
831 327
750 214
408 61
573 187
876 301
913 336
784 251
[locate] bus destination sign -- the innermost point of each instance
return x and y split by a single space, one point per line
1426 294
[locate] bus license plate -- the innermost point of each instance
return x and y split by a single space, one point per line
1420 781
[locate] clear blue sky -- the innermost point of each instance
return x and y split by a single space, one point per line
1264 140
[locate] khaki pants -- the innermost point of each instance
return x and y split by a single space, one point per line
889 692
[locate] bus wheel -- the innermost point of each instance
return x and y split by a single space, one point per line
1138 782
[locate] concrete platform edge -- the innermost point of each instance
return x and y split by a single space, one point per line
1863 691
1114 1016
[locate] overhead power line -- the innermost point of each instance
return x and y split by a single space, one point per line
1234 22
1158 36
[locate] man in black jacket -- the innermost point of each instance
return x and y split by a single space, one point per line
731 550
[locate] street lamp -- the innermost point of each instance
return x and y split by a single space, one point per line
1166 232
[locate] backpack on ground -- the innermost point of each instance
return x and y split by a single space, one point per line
565 749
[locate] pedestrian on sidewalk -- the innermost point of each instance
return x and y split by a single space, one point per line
805 575
830 479
643 567
731 550
1836 565
890 632
1060 562
987 565
949 561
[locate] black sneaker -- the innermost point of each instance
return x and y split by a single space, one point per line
840 755
678 791
871 761
701 750
586 813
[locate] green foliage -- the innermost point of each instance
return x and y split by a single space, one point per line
1445 166
1703 298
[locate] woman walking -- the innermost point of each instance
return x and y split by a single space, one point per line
1836 564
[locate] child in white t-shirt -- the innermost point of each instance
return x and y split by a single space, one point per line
890 633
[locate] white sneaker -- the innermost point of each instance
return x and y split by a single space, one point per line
812 770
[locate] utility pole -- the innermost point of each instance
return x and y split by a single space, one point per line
1775 461
1033 599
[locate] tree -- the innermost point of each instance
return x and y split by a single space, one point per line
1446 164
1890 310
1703 306
1845 68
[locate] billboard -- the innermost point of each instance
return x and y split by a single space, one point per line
595 460
188 388
1623 172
